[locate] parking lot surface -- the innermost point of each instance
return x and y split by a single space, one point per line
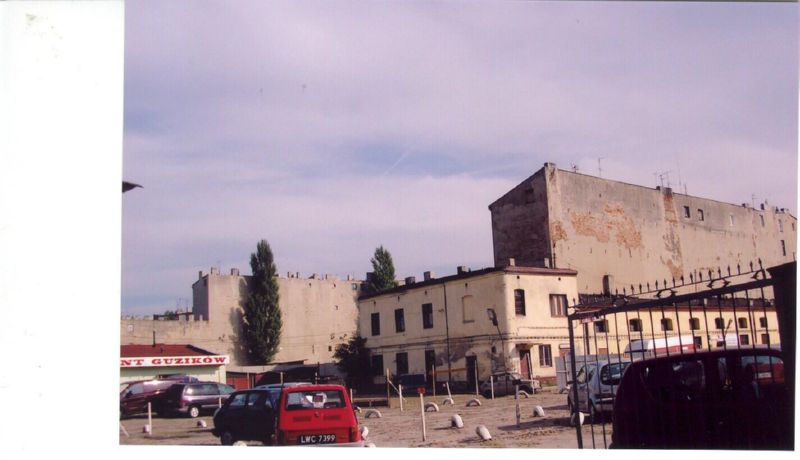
404 429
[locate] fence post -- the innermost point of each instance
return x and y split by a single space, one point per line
574 388
516 400
491 384
281 378
447 384
476 380
433 369
400 392
422 411
149 420
388 390
785 289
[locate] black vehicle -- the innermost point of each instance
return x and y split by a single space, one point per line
412 382
248 415
134 396
722 399
192 398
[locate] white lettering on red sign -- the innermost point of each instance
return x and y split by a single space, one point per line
216 360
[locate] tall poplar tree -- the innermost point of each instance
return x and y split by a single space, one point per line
262 315
382 272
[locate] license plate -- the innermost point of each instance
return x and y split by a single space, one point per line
317 439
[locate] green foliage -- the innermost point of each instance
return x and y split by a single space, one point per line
353 359
383 276
262 315
169 315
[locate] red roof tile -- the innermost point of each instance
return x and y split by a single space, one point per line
160 349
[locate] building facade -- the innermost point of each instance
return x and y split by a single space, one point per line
318 313
447 324
616 234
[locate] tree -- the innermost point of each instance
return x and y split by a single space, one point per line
352 358
262 315
382 272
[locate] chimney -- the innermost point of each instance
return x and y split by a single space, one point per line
410 280
214 271
429 276
461 269
762 206
200 273
234 272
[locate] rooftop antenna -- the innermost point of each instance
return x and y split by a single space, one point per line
599 168
661 177
574 167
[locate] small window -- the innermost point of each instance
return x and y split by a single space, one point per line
402 363
519 302
635 325
377 364
376 324
427 315
765 339
694 324
545 356
601 326
687 213
399 320
719 323
666 324
558 305
701 215
698 343
783 247
744 339
762 321
742 323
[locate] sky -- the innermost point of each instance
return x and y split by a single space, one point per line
331 128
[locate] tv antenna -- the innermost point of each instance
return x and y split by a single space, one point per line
574 167
599 167
662 176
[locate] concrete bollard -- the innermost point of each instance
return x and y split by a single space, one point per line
483 433
473 402
201 423
577 418
369 444
240 444
456 422
364 431
372 412
357 409
431 405
448 401
524 394
538 411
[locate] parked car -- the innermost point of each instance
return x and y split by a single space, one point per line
597 390
505 384
316 414
288 414
412 382
192 398
720 399
134 396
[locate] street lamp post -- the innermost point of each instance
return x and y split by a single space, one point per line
493 318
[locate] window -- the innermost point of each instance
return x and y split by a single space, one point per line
611 374
427 315
694 324
744 339
762 321
519 301
399 321
701 215
783 247
666 324
545 356
430 361
686 212
402 363
601 326
238 400
733 220
635 325
558 305
698 343
765 339
377 364
742 323
376 324
719 323
467 308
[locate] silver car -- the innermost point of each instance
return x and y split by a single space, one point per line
596 390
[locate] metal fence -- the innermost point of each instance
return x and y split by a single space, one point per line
715 310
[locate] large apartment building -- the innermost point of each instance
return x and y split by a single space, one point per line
616 234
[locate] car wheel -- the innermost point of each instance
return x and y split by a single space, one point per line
227 438
194 411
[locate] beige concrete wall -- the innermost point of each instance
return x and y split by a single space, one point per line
318 314
471 333
636 234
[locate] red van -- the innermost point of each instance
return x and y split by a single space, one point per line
316 414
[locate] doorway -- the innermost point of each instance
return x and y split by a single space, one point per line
472 367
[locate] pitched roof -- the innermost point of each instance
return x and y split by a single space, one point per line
161 349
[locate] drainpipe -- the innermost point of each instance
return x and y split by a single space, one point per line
447 333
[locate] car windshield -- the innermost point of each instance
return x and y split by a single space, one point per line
314 399
612 373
